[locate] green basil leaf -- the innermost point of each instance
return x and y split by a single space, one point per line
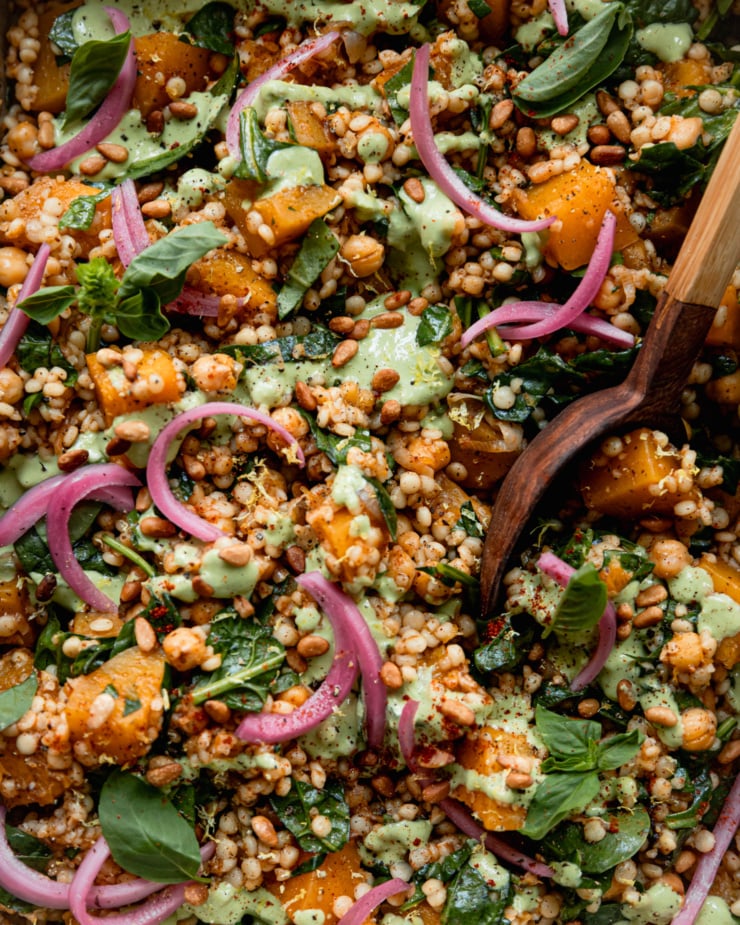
619 749
48 303
17 700
625 836
294 810
38 348
400 80
145 833
387 507
469 520
211 26
29 850
95 67
479 8
317 249
140 316
162 266
256 148
506 648
336 447
581 605
565 736
80 213
471 902
62 33
556 797
434 325
250 660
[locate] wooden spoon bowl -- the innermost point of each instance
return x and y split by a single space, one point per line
651 393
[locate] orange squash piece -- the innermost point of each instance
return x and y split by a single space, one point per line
578 199
486 448
231 273
680 76
725 580
14 602
96 625
50 79
121 733
480 752
308 129
633 483
725 331
118 395
160 57
338 875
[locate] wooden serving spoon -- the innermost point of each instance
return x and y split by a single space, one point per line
650 394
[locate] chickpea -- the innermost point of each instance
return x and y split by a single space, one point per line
363 254
684 652
216 373
22 140
669 558
13 266
11 386
185 648
699 729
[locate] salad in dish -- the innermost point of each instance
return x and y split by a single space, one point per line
285 289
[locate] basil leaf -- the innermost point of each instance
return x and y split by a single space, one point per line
145 833
506 648
317 249
625 836
334 446
434 325
470 902
581 606
294 811
564 736
556 797
140 316
162 266
62 33
544 96
250 660
29 850
38 348
387 508
211 26
479 8
469 520
80 213
48 303
619 749
95 67
400 80
17 700
256 148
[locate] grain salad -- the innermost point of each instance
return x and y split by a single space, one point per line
285 290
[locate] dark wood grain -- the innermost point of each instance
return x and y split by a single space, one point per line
650 394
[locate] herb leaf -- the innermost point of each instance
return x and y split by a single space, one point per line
38 348
625 836
62 33
295 811
317 249
469 520
48 303
556 797
581 605
471 902
256 148
387 507
146 834
95 67
17 700
336 447
564 736
80 213
318 344
211 25
400 80
434 325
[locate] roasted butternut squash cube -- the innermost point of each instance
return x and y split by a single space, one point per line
96 625
50 79
486 447
338 875
115 713
15 667
160 57
578 199
308 129
29 205
231 273
260 57
725 331
15 603
680 77
480 752
636 482
726 389
118 394
725 577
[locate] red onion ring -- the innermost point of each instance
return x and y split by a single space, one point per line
706 869
159 907
17 322
129 232
560 15
273 728
459 814
156 468
305 51
345 611
84 483
438 168
509 321
28 510
367 904
107 117
192 302
560 571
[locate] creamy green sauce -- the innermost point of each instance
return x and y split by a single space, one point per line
309 917
587 112
145 16
294 166
338 736
393 16
493 785
668 41
372 147
227 906
656 906
226 580
280 530
393 841
348 484
276 93
715 911
719 614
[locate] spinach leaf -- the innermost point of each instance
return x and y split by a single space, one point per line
444 870
506 645
146 834
62 33
618 749
581 606
17 700
647 12
400 81
29 851
162 266
469 520
336 447
80 212
317 249
675 171
38 349
471 902
556 797
625 836
318 344
95 67
294 811
33 551
581 63
256 148
48 303
479 8
211 26
387 508
250 660
434 325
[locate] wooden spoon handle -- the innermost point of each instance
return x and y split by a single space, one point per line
708 256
